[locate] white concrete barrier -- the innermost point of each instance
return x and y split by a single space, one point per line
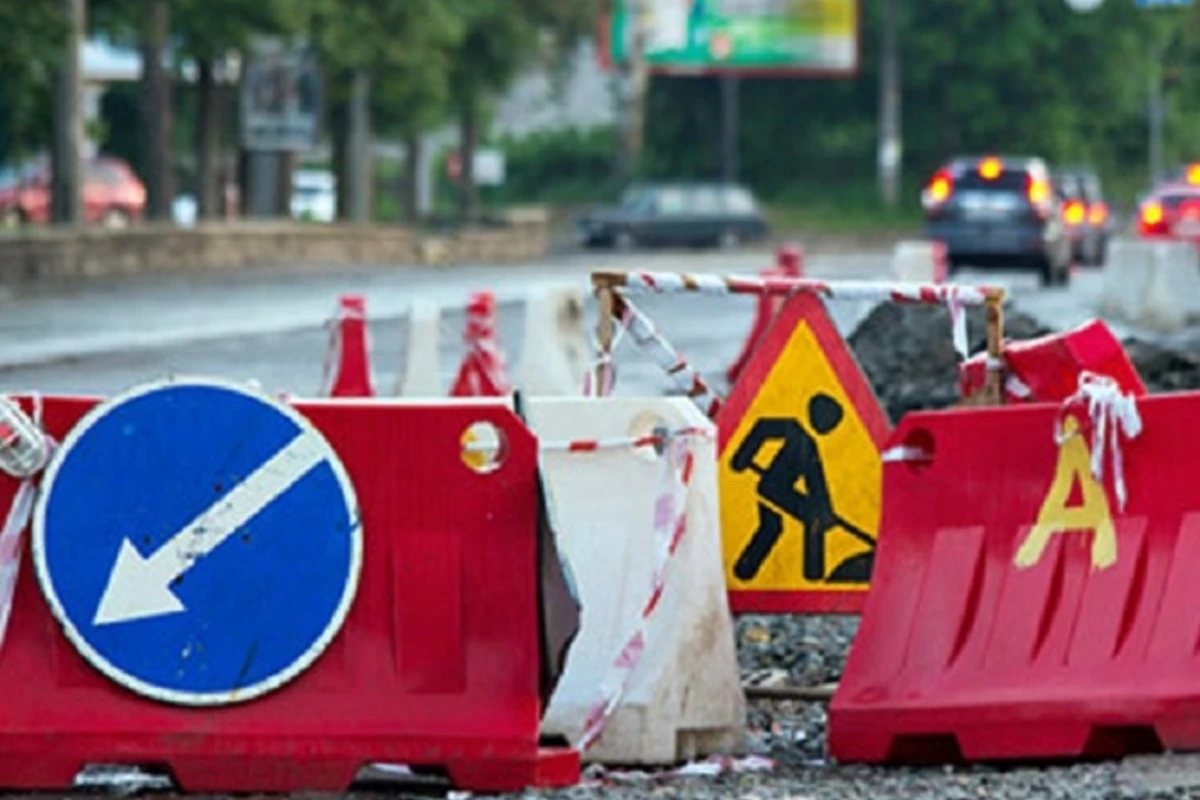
919 262
1151 284
421 375
554 350
684 698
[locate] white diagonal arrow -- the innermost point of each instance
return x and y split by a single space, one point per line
140 586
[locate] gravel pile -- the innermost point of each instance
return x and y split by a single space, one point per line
907 353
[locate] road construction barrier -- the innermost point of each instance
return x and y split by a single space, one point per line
799 439
1155 284
399 623
653 676
1035 594
789 263
554 354
920 262
347 368
1047 369
484 371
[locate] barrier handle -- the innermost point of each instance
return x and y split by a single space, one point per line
994 320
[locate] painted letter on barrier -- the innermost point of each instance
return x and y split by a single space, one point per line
1092 513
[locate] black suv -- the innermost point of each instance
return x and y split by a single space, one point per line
999 212
676 214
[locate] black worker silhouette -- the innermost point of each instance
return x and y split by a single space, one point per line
798 458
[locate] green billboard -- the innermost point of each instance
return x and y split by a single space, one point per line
818 37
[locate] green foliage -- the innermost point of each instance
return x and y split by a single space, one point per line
565 166
33 41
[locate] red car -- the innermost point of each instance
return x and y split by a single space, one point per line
112 194
1171 211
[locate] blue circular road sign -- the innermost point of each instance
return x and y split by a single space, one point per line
199 541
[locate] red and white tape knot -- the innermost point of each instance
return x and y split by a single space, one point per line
1114 415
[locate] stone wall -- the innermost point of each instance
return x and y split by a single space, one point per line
46 254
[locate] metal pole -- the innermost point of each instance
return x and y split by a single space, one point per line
729 128
1155 115
66 200
890 135
636 81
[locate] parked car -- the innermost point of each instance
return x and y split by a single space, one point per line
1001 212
1171 211
112 194
1085 214
676 214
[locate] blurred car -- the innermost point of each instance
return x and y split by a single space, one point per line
113 195
1085 214
314 195
1171 211
676 214
1001 212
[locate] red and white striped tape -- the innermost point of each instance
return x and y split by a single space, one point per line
882 291
670 524
25 449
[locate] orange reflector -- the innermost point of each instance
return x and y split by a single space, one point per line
990 168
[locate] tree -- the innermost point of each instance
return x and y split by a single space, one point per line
35 35
500 38
403 48
210 32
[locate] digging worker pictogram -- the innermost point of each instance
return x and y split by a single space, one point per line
798 459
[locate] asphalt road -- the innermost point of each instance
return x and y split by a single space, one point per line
269 325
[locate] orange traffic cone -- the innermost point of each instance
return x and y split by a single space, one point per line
347 360
484 372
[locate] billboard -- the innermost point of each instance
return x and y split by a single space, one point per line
281 99
748 37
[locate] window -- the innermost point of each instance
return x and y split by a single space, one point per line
670 201
706 201
739 201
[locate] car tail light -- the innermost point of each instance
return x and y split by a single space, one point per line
939 189
1098 213
1074 213
1152 218
1038 191
990 168
1193 174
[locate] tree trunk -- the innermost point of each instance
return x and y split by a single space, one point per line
67 152
412 177
468 192
635 83
156 111
358 150
208 133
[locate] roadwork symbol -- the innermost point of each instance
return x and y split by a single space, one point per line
797 460
800 471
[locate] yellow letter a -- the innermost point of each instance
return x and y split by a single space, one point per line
1057 517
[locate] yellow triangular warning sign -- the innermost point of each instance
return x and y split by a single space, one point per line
798 524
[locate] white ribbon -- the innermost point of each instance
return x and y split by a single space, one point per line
1113 415
958 322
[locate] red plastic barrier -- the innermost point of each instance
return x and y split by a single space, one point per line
789 263
941 262
348 362
1046 370
483 372
437 663
1015 611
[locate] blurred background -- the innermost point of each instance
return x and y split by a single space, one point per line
835 114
